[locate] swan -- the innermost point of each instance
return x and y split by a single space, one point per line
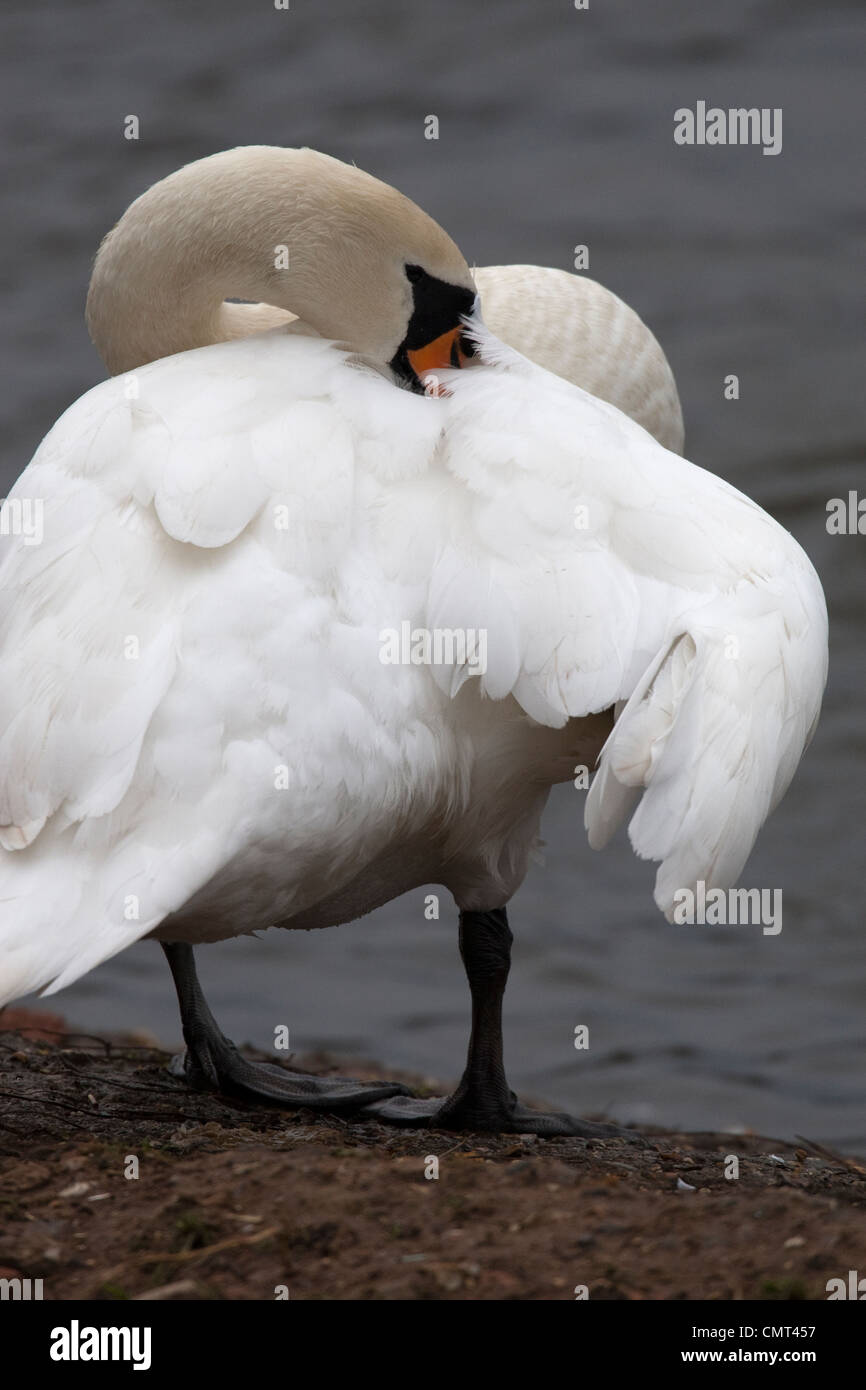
226 704
569 324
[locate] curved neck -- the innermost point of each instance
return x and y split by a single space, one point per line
132 324
294 231
212 231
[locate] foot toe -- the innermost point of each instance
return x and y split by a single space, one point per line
525 1121
225 1069
405 1110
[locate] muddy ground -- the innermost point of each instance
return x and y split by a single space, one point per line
237 1201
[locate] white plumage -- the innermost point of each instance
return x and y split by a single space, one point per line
198 735
579 330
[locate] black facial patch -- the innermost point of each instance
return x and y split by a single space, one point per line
438 307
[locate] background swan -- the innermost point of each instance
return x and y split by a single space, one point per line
581 331
200 736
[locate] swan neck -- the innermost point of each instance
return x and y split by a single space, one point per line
211 232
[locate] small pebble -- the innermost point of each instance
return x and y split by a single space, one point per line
77 1189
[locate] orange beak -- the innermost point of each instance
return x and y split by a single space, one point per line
444 351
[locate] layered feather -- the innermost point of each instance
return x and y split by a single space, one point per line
196 720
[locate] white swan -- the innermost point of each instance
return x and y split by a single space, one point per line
569 324
200 736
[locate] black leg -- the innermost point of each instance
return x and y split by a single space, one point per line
483 1099
483 1095
213 1063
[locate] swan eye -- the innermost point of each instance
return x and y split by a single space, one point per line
414 273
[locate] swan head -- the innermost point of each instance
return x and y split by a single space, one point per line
320 240
365 265
435 334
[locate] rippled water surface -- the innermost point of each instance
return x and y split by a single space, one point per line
555 129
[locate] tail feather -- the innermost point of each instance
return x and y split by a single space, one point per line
711 736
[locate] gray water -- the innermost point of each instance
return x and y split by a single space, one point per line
556 128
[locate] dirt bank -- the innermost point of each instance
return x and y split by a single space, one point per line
233 1200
